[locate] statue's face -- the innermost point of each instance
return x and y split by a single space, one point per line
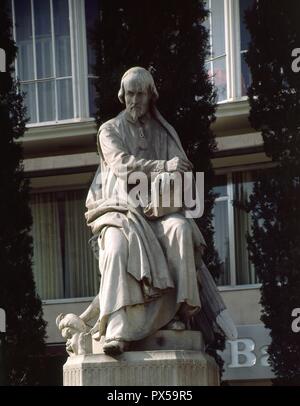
71 334
137 97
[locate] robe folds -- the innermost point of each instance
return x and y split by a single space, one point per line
148 267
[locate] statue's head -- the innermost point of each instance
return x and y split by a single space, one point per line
71 327
137 91
70 324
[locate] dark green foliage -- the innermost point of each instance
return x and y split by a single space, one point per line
275 203
25 326
168 39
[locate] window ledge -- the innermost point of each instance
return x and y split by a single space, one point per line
60 129
230 288
235 107
232 118
69 300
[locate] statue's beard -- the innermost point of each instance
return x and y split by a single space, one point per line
135 113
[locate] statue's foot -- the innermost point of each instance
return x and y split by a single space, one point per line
114 347
175 325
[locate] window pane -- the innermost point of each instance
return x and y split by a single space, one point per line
243 186
45 17
91 15
246 78
43 39
218 27
46 100
245 35
63 262
221 186
221 239
24 39
220 78
62 38
208 67
206 24
30 100
245 39
47 247
81 268
64 99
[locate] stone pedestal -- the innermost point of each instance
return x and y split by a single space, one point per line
172 358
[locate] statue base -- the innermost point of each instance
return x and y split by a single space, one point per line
172 358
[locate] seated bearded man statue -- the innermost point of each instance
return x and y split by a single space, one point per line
152 273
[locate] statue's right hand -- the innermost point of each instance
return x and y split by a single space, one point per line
177 164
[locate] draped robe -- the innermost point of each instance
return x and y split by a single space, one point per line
147 267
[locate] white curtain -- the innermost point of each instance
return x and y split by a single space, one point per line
63 262
81 267
47 259
243 185
221 238
218 48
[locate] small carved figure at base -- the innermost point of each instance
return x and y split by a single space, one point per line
75 331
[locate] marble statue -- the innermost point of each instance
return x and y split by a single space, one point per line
150 258
75 331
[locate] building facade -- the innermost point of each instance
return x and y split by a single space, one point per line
54 66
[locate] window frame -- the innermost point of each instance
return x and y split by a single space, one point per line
231 224
232 51
230 215
79 68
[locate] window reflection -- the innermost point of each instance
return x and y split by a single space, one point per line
44 58
216 64
244 40
232 224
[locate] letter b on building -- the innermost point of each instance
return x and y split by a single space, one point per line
2 60
242 353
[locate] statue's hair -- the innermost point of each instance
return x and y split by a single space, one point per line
70 320
144 77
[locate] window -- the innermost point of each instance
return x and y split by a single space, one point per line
63 262
216 65
92 14
229 39
242 189
244 41
221 224
231 226
53 61
42 33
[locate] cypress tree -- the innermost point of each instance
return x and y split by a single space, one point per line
274 243
170 40
24 346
